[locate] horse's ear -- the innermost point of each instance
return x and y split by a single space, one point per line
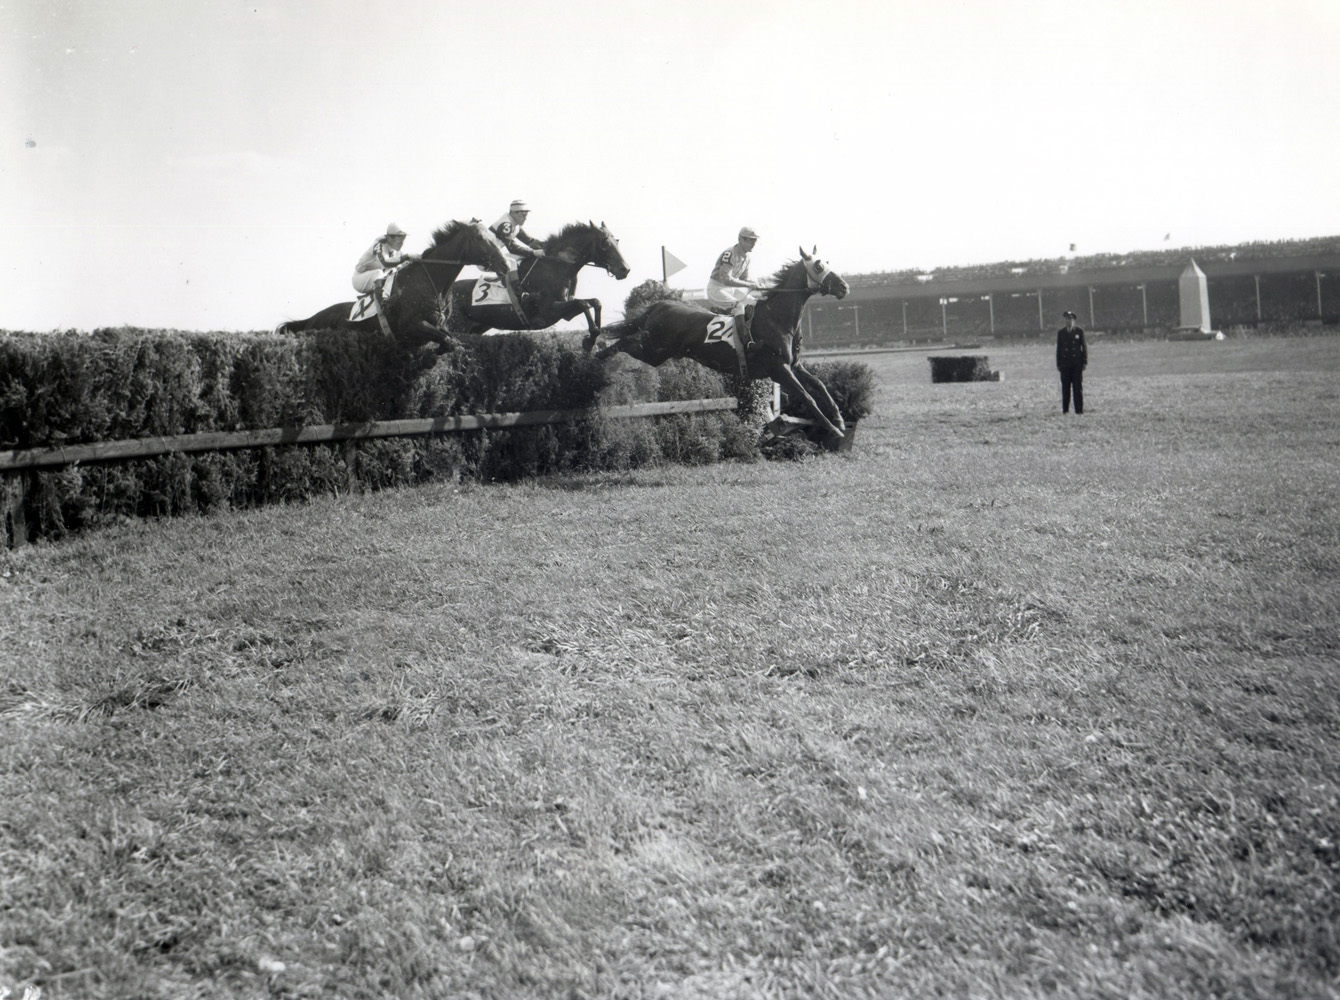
803 254
816 249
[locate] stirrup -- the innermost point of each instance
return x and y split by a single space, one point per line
741 321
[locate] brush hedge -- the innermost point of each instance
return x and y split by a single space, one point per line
967 368
73 388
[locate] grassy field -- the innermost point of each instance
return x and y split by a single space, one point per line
1001 703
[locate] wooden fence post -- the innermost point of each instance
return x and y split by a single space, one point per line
14 522
350 460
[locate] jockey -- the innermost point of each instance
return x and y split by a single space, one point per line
384 255
729 289
517 240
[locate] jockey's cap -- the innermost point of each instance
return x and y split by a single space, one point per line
394 230
520 206
747 233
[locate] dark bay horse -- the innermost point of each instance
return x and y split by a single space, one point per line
672 329
547 285
419 293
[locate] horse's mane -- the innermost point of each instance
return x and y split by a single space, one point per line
564 235
779 275
782 273
446 232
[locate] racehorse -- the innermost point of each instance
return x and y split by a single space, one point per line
547 285
419 292
673 329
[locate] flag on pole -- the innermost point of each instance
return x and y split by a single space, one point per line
670 264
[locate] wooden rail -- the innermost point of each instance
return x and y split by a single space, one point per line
108 451
18 464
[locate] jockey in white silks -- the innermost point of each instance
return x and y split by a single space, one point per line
518 242
383 256
729 289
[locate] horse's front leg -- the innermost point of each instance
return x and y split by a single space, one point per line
591 307
782 374
820 391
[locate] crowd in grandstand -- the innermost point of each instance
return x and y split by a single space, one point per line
1102 262
917 311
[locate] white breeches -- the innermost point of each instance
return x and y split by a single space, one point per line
363 280
729 298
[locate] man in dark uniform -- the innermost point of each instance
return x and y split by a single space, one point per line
1071 358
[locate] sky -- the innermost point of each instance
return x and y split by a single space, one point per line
219 165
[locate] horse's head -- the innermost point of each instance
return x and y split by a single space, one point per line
610 257
583 243
822 278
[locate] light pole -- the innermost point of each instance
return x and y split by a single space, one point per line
856 313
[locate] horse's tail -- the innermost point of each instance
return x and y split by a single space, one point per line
612 335
617 331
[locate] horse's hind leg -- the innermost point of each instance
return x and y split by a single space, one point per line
592 321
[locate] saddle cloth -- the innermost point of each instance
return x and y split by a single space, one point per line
365 306
722 328
490 290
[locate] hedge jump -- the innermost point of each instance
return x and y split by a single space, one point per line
16 463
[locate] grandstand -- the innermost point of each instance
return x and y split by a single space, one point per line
1250 284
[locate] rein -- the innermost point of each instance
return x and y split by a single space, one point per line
429 274
425 261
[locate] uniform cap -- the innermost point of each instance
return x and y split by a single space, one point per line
747 233
519 206
1069 315
394 230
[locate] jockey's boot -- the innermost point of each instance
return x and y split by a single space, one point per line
743 321
381 307
512 281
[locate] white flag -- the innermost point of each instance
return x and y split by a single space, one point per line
670 264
